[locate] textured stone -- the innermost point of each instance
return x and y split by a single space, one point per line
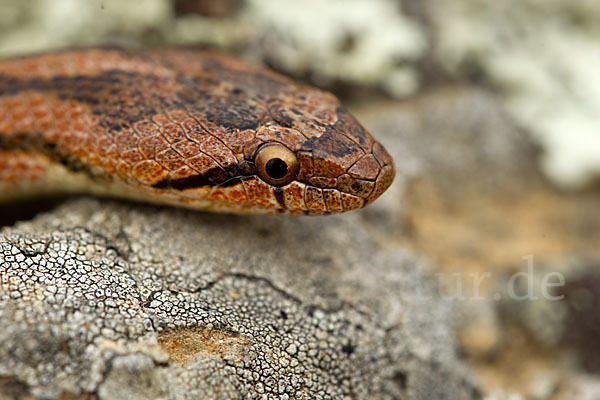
128 301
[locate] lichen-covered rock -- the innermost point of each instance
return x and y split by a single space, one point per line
542 57
129 301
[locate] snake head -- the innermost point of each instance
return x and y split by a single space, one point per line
267 144
305 155
315 158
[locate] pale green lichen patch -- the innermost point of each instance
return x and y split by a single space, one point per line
38 25
544 57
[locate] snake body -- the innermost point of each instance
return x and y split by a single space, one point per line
192 128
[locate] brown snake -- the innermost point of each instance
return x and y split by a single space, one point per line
196 129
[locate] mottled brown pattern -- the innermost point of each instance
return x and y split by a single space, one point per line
183 127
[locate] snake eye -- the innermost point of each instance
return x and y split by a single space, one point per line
276 164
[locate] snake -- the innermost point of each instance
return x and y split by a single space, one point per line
195 128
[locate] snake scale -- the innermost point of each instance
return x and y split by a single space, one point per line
194 128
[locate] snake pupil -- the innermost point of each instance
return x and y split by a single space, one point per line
275 164
276 168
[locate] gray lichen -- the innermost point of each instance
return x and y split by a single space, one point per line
129 301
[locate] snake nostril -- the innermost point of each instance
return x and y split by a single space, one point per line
357 187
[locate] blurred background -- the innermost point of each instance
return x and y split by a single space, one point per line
492 112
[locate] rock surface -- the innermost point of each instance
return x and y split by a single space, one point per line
131 301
